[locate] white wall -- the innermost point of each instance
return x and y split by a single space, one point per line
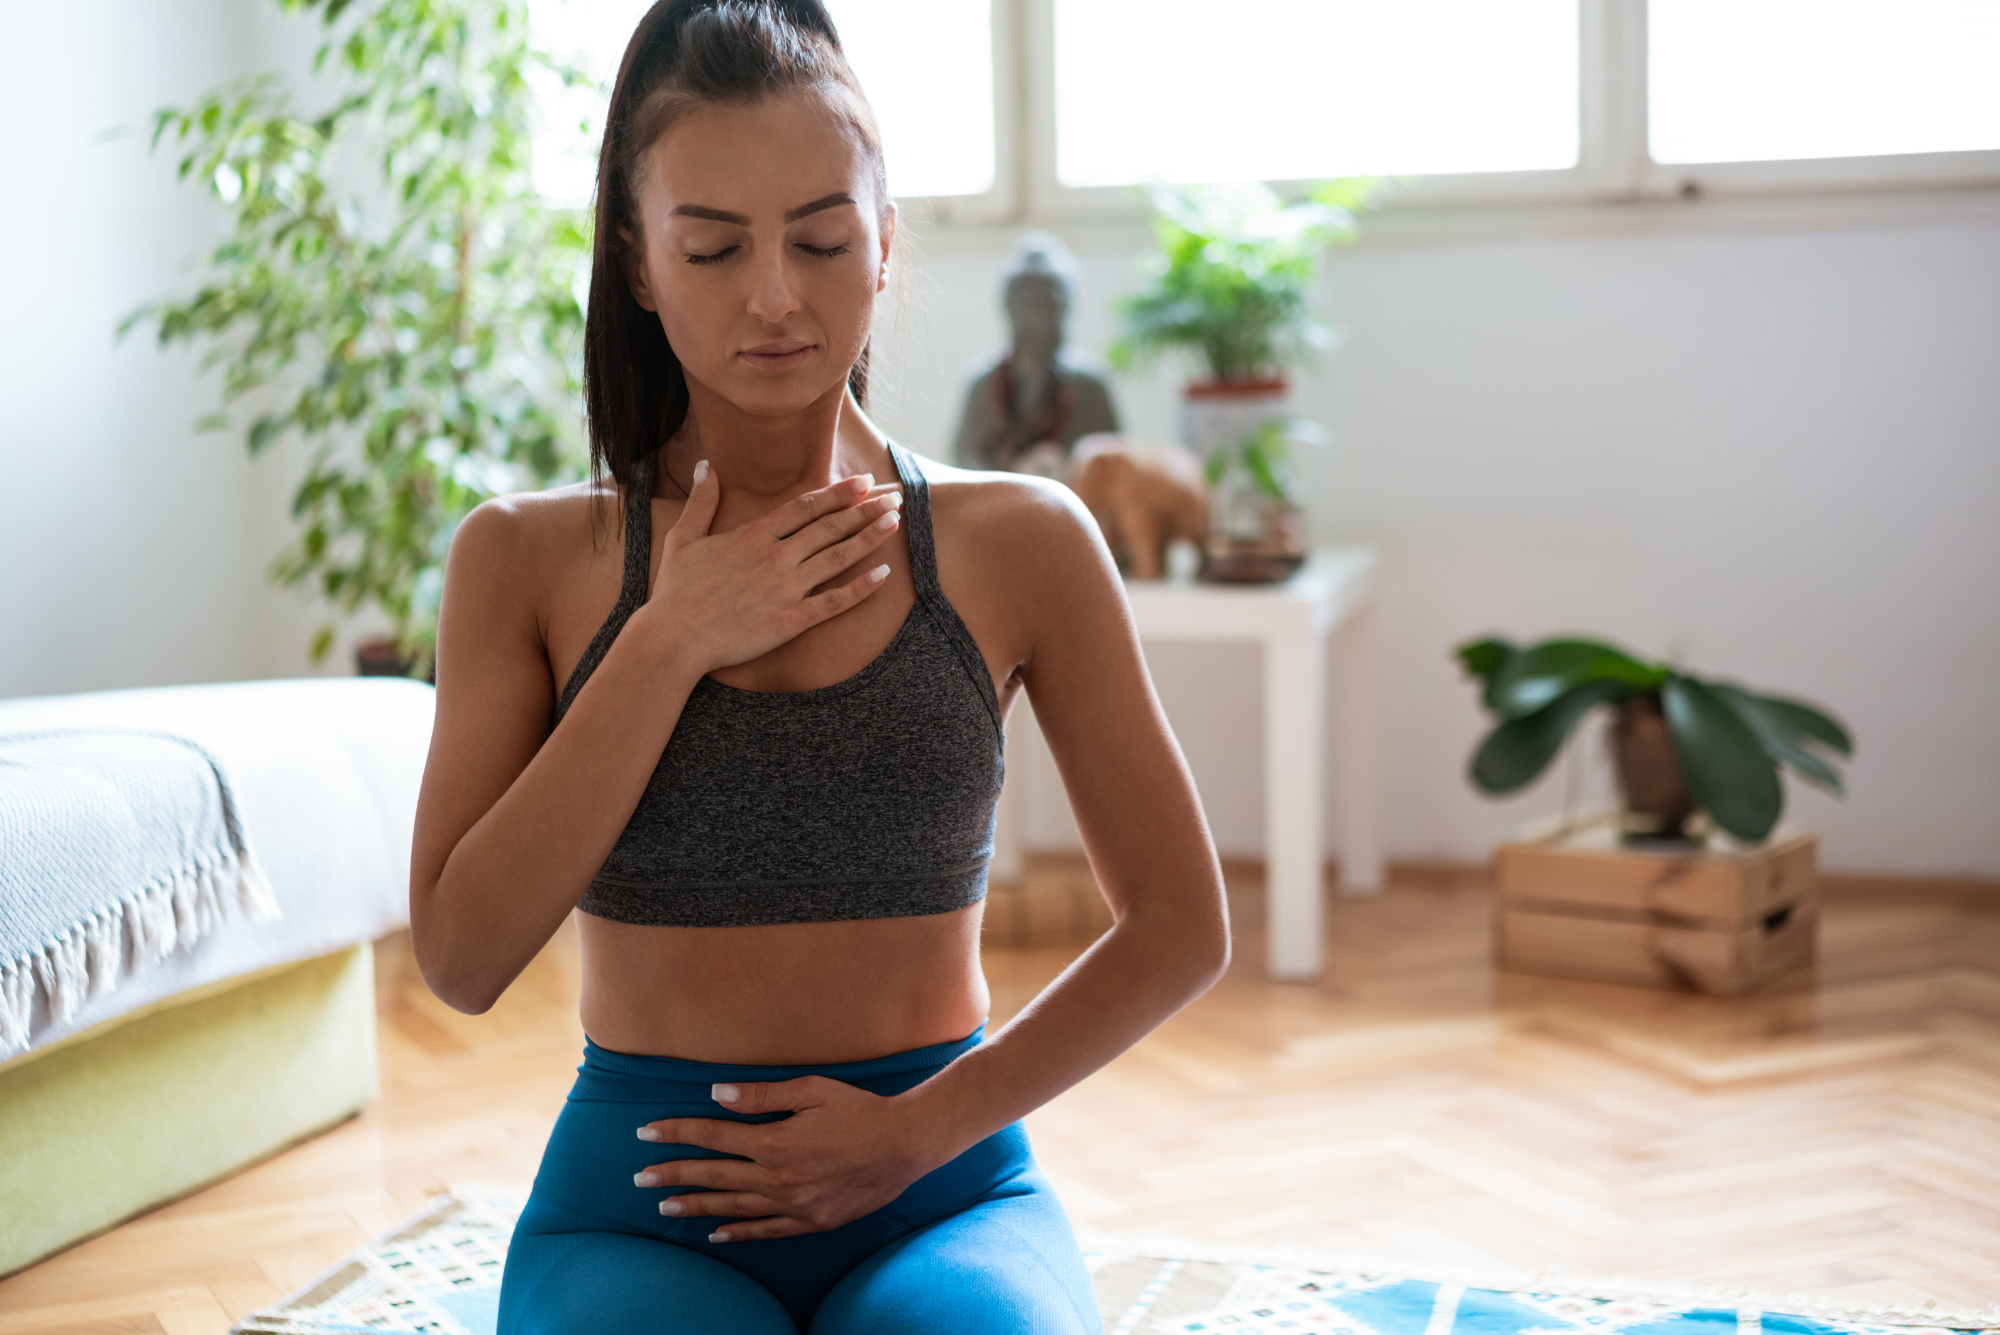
1773 455
122 543
132 549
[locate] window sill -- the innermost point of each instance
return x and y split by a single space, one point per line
1409 222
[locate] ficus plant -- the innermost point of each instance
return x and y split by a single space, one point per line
1683 744
391 293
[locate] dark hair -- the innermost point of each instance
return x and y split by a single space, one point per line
688 53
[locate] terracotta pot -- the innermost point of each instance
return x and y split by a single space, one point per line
1657 802
1215 413
381 658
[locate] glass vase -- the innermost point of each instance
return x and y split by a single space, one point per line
1253 536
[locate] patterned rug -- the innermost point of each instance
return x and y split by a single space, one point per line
439 1274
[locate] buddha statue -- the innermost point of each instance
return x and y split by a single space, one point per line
1025 412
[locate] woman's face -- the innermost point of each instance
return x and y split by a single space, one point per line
761 246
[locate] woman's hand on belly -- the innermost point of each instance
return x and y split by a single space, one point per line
843 1153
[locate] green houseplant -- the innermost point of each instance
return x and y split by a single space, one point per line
1681 744
1231 277
1229 286
390 293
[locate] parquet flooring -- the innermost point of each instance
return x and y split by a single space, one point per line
1839 1133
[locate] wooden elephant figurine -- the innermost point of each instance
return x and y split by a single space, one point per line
1144 494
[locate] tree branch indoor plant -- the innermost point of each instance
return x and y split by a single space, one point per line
1230 287
1682 745
391 293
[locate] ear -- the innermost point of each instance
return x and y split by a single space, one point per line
633 257
891 218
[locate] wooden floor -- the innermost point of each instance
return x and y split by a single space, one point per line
1838 1134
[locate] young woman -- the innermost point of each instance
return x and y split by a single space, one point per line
741 708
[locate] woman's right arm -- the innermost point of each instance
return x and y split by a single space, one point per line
514 819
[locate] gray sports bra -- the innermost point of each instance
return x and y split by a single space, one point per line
869 798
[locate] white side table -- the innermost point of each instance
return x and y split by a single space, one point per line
1328 603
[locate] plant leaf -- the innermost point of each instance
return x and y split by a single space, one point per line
1538 675
1257 458
1778 739
1727 771
1806 721
1515 753
1483 659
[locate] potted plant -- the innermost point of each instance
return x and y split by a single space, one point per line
391 294
1682 745
1230 283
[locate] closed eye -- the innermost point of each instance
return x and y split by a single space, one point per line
819 252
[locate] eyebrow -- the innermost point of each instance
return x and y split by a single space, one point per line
724 216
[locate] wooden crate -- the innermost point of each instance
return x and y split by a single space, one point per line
1725 920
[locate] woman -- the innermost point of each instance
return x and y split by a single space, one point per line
760 754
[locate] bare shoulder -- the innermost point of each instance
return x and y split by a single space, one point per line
1027 525
510 538
1024 563
516 561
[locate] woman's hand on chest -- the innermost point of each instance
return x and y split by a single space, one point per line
731 597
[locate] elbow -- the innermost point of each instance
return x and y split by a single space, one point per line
456 960
1188 944
458 987
1207 949
453 974
466 1000
1217 951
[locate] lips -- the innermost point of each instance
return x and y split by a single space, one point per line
779 356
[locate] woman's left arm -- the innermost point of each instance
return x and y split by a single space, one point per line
845 1151
1142 827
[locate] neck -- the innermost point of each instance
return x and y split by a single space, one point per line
763 460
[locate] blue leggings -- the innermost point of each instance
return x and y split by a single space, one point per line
979 1246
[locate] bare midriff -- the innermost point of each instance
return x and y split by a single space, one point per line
793 994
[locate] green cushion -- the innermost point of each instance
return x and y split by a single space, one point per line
152 1105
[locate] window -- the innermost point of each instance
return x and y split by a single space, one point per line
928 68
1051 109
1765 80
1312 88
927 65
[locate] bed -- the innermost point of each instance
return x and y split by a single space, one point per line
254 1031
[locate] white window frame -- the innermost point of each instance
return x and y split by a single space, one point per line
1613 167
1005 202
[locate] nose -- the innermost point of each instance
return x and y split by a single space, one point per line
772 296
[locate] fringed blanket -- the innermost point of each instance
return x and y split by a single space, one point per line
116 848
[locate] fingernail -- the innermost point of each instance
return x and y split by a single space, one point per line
887 521
892 499
672 1205
718 1236
867 481
878 574
725 1093
649 1178
700 471
647 1133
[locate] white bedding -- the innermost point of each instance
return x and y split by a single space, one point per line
325 773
